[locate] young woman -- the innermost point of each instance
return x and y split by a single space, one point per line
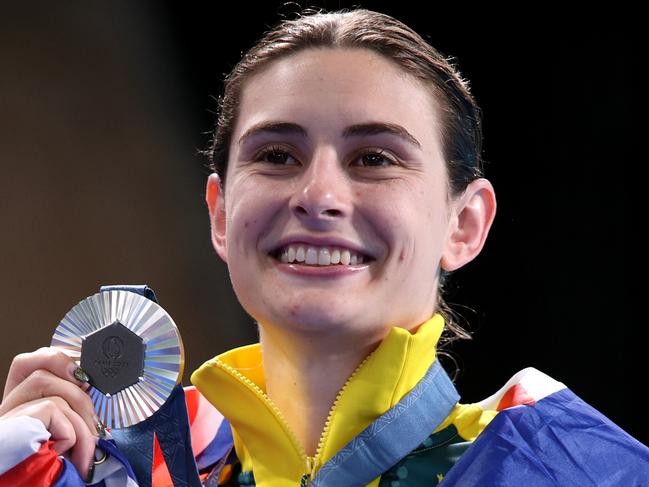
347 183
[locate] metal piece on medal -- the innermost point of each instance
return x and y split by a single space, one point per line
130 348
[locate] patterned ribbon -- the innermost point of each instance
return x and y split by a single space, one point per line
393 435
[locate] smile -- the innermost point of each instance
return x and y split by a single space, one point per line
319 255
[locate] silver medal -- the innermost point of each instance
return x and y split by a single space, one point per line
130 348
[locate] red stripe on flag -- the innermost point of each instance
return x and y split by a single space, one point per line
160 474
516 395
41 469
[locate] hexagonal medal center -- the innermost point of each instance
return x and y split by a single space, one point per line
113 358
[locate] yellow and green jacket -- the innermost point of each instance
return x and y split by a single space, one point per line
267 451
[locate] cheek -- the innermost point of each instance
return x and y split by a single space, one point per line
392 215
247 213
413 222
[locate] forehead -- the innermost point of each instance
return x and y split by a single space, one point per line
328 88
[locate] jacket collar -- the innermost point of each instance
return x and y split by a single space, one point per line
234 383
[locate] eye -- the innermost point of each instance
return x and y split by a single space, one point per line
275 155
374 158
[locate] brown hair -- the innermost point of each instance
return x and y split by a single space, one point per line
461 126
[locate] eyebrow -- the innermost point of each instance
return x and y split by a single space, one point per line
371 128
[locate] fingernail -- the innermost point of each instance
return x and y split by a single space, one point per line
80 375
91 473
99 426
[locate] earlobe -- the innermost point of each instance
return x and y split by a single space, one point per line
472 218
216 206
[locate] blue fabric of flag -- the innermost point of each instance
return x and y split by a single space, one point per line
559 441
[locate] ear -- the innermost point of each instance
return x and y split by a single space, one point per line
216 205
471 217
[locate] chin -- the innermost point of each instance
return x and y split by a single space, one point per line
315 319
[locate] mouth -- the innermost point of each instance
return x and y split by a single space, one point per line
319 256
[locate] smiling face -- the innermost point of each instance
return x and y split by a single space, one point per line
335 156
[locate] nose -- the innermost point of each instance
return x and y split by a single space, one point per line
322 193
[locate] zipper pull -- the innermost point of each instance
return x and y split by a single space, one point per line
304 481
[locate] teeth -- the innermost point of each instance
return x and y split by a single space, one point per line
311 256
319 256
300 254
323 257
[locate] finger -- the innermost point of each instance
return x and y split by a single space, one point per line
83 451
48 358
49 412
67 429
43 383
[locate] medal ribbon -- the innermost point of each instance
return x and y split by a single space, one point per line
393 435
170 425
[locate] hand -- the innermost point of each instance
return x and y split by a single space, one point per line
42 384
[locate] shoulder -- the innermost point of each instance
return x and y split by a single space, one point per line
544 434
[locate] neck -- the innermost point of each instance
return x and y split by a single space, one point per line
305 374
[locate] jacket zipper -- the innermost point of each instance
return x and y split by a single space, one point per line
309 462
306 478
327 427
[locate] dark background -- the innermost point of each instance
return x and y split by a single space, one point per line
104 105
